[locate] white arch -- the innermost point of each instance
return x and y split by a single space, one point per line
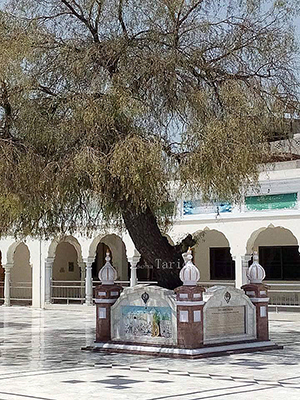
207 239
67 239
254 235
202 232
11 251
101 239
115 243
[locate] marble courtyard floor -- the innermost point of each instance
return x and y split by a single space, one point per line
40 358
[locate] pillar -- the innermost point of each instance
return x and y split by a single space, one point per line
133 269
82 279
106 296
89 281
238 271
48 278
7 269
241 267
245 265
189 300
258 294
35 248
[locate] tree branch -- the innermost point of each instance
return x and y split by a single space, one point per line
7 111
185 17
83 19
121 20
97 19
47 90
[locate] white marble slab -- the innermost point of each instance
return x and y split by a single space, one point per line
190 352
229 316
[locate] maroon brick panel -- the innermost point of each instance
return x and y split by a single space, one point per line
258 294
106 296
189 316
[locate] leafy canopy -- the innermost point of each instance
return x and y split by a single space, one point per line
113 104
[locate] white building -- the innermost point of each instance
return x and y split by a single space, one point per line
41 271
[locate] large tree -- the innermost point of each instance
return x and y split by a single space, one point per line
112 109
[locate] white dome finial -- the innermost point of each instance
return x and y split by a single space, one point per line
189 274
107 274
256 273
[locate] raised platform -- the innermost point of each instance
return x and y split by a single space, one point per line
176 352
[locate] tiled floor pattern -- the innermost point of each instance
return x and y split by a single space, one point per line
40 358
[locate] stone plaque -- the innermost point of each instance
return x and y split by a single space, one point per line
225 321
228 316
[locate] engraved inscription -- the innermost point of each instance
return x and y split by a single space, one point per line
225 321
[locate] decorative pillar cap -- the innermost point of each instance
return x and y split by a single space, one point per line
189 274
256 273
107 274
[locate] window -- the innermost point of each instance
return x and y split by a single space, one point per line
221 264
280 262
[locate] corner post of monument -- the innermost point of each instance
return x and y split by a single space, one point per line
190 305
106 295
258 294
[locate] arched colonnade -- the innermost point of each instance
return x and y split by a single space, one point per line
220 255
48 266
223 253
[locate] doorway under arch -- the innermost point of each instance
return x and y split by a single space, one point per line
278 251
116 247
212 256
21 276
101 251
65 265
66 272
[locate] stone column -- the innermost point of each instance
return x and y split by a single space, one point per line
190 316
238 271
7 269
48 278
81 265
133 269
245 264
241 267
89 281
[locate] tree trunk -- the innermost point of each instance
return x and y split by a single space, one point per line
165 259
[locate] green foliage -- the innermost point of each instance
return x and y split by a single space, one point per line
110 105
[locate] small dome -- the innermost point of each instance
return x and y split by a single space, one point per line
189 274
256 273
107 274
